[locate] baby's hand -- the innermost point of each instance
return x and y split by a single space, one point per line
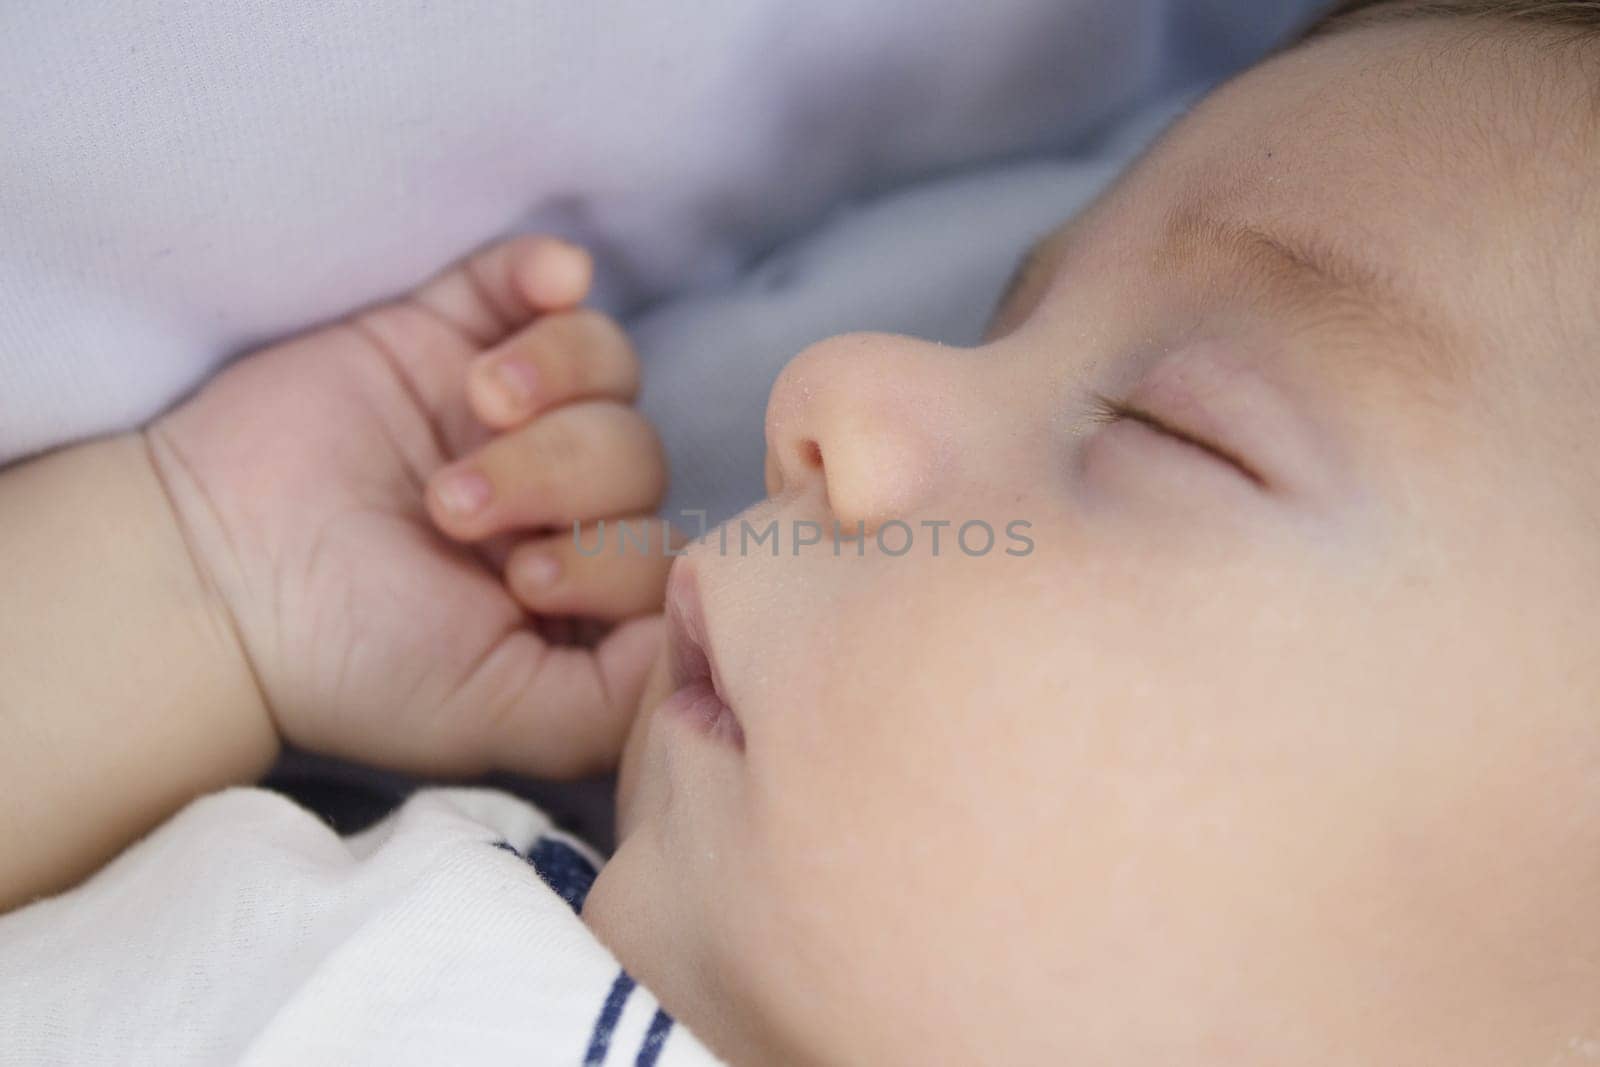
313 478
569 448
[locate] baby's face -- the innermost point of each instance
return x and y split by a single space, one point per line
1280 745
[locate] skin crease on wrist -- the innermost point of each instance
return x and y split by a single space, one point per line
269 559
1281 747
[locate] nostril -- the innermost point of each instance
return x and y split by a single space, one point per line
811 454
808 460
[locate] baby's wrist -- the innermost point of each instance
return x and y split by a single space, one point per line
240 711
118 667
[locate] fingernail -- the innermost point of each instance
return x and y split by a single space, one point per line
518 382
540 571
464 492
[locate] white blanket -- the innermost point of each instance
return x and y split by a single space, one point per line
244 931
184 180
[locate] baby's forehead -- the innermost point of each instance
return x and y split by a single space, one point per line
1459 167
1391 124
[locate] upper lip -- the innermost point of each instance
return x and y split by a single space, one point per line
688 648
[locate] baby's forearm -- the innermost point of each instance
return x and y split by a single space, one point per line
123 690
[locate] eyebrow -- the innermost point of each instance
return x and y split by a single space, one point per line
1311 273
1320 268
1314 274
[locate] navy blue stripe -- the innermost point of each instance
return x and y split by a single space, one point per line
560 866
563 869
600 1040
654 1038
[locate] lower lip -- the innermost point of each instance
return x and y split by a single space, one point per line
699 705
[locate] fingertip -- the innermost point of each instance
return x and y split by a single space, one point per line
533 576
556 274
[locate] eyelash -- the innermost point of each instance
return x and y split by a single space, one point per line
1105 410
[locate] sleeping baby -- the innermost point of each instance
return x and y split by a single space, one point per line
1277 744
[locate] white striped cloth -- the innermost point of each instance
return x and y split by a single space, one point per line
244 930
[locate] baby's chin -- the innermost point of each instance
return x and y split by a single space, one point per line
657 687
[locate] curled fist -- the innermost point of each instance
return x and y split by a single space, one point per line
386 506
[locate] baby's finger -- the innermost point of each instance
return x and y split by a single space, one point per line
612 569
576 355
563 712
498 289
584 461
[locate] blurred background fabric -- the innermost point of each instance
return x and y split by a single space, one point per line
186 180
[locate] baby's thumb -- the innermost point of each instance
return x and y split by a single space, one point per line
573 717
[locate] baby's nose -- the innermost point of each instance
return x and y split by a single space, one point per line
872 417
